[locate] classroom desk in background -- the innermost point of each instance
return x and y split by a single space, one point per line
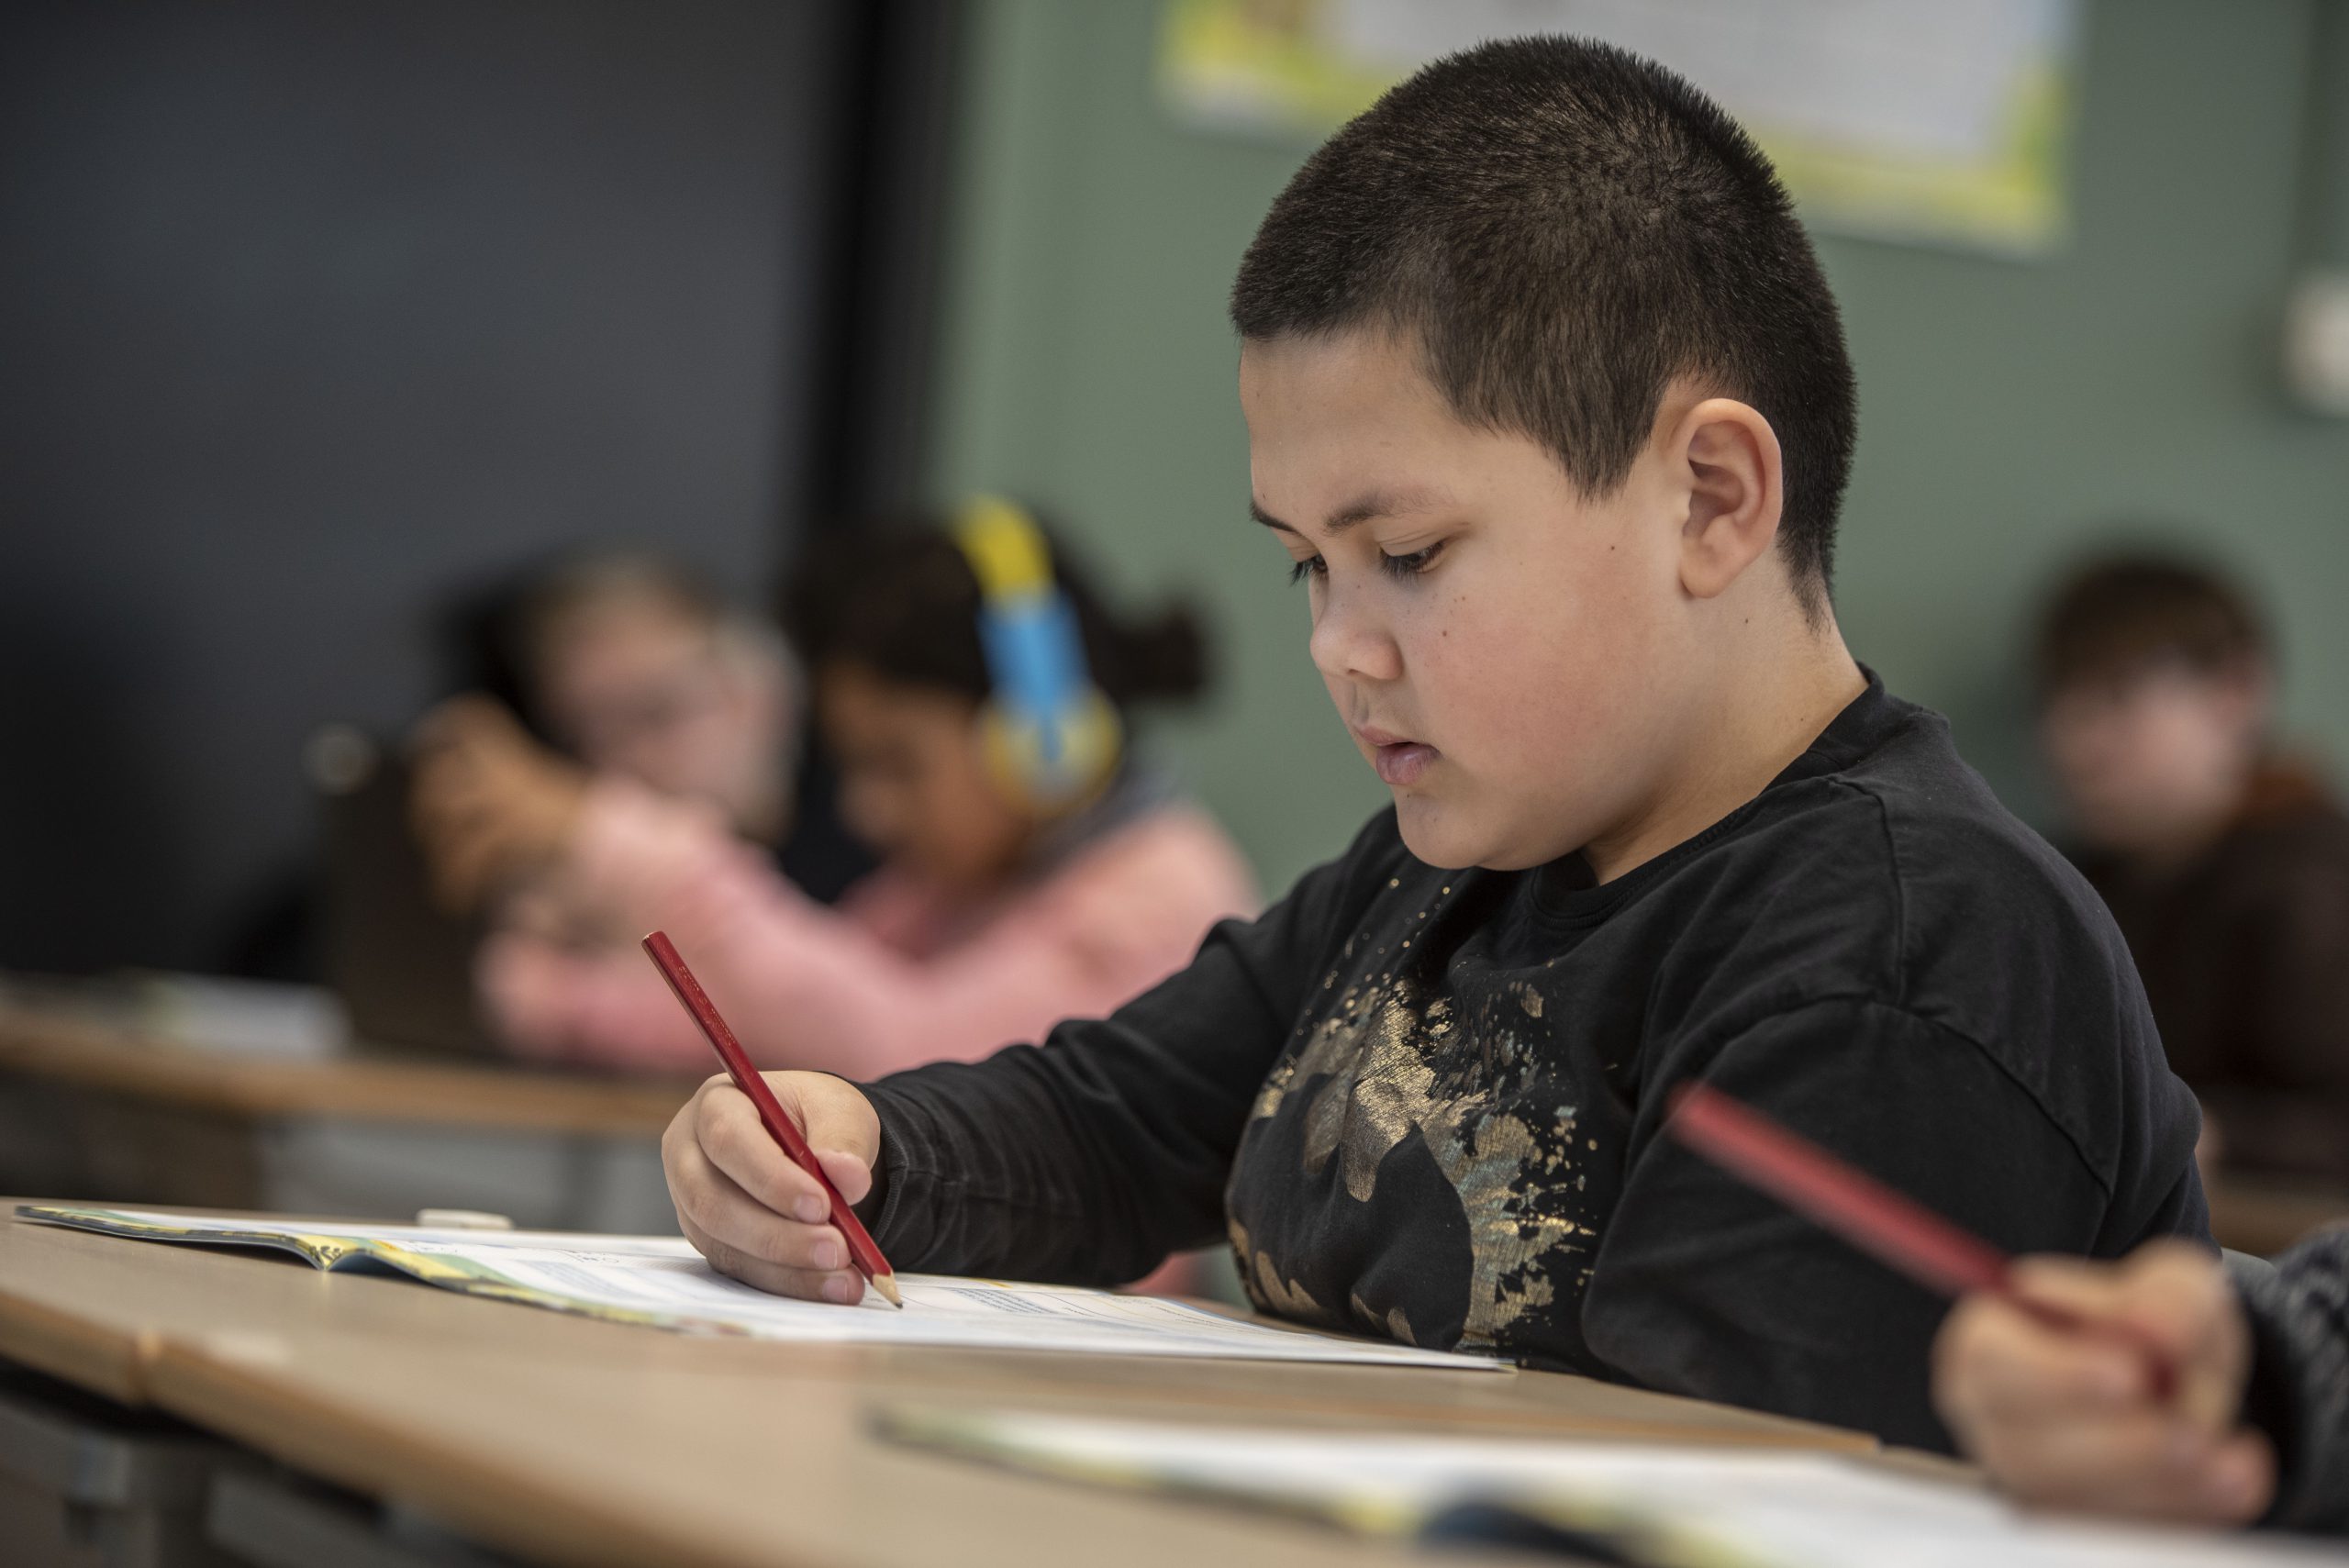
108 1109
2264 1215
565 1441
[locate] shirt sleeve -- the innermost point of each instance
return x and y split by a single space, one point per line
2300 1383
1089 1158
1704 1285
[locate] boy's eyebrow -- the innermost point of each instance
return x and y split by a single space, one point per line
1375 504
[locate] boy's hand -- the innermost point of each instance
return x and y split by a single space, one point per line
2069 1417
748 1208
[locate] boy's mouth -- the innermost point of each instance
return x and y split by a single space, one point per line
1398 761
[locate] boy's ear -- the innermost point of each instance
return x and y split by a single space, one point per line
1728 456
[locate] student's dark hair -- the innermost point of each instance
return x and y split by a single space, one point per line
897 597
2116 614
1564 229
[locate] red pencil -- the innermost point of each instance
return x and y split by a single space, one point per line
1887 1226
862 1250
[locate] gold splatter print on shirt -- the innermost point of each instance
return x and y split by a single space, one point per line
1390 1063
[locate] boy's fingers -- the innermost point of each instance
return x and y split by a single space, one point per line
2169 1297
2241 1483
2147 1465
748 1208
738 1223
710 1202
833 1114
2114 1463
849 1172
2181 1297
731 1134
2000 1364
843 1286
2170 1294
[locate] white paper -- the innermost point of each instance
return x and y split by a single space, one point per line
663 1281
1802 1510
939 1310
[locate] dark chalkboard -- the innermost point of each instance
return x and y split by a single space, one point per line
314 316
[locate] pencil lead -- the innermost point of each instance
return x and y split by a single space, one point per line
887 1285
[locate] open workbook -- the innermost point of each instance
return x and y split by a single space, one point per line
1653 1507
661 1281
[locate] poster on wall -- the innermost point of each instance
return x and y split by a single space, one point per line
1914 120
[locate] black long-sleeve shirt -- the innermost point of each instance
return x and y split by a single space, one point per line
1425 1104
2300 1380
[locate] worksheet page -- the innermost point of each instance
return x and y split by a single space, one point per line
661 1281
939 1310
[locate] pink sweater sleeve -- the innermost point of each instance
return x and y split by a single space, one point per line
806 986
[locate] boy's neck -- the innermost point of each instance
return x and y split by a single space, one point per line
1769 697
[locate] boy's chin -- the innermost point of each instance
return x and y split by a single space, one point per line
1449 839
1439 837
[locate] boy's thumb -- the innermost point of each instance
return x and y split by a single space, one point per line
849 1172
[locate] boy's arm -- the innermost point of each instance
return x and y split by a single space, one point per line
2300 1380
1088 1158
1704 1287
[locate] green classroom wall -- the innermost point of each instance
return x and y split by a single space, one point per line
2011 413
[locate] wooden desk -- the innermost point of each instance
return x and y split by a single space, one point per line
359 1087
112 1111
2264 1216
570 1442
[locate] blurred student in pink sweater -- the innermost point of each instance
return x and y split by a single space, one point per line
998 908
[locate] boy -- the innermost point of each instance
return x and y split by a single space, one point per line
2257 1427
1549 408
2225 865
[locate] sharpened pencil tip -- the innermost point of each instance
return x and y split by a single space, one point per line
887 1285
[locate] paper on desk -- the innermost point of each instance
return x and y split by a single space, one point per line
661 1281
1721 1508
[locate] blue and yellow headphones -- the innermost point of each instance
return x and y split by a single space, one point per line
1052 735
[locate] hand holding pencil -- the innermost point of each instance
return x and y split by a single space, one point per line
765 1168
2066 1416
2116 1388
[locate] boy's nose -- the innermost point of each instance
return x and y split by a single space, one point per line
1348 645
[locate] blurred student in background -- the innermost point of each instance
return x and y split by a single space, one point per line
2224 860
998 908
639 674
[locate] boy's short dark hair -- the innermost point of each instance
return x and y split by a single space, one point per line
1567 228
2120 614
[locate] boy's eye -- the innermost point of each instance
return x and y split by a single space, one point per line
1311 565
1410 565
